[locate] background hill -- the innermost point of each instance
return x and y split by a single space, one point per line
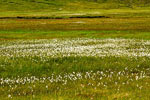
67 8
13 5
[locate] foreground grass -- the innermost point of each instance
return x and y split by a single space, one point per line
107 78
25 67
28 71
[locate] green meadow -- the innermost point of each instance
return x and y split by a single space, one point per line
74 50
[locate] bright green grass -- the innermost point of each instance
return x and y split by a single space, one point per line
24 66
73 34
79 89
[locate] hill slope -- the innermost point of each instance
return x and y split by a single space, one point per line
13 5
59 8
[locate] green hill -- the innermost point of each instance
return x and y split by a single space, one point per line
59 8
13 5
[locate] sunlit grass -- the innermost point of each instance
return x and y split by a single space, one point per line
35 34
74 58
39 76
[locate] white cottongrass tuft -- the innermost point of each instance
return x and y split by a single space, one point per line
53 48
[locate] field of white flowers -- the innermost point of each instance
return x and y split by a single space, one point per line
80 81
75 47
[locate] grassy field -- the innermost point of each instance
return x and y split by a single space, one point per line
137 28
79 68
74 50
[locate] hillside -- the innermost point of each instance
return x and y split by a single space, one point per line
68 8
13 5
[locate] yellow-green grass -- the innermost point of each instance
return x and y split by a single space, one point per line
113 13
66 8
138 11
75 27
76 24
